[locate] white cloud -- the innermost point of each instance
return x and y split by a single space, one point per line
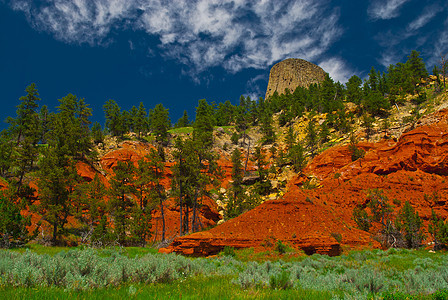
200 34
337 69
428 14
385 9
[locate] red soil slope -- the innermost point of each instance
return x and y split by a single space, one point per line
413 169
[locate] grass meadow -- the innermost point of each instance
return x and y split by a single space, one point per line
38 272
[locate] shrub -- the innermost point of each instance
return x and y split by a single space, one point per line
280 281
361 218
228 251
280 247
409 223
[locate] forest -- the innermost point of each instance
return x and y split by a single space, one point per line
40 149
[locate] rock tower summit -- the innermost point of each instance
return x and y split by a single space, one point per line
291 73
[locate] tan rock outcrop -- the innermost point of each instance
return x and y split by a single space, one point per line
291 73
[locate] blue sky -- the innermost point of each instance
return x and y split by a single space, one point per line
176 52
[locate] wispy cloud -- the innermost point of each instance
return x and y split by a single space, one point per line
200 34
428 14
385 9
398 42
337 69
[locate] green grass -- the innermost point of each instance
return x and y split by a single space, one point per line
63 273
130 252
193 288
181 130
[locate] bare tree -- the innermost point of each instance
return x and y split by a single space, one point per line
444 68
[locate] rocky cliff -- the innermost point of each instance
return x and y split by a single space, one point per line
291 73
319 219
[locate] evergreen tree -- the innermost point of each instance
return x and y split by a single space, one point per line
57 178
203 124
13 231
410 224
266 128
354 91
183 121
44 117
90 208
6 152
235 204
324 133
26 130
311 137
70 127
114 120
97 133
373 80
133 119
150 174
416 67
121 202
438 229
160 123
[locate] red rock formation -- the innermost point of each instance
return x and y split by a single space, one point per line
413 169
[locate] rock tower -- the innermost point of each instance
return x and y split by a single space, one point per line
291 73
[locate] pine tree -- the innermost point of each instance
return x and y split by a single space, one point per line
203 124
121 202
160 123
89 209
6 152
410 224
97 133
311 137
140 123
416 67
148 182
235 205
183 121
114 120
13 231
354 91
57 178
26 130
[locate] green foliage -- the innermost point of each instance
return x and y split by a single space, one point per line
183 121
159 122
234 138
354 91
280 247
115 122
228 251
97 133
355 275
361 218
311 137
25 131
237 199
203 124
356 153
13 231
57 178
410 224
438 229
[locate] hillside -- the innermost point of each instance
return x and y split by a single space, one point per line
322 168
319 219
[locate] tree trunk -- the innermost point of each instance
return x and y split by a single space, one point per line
163 215
186 219
247 158
55 233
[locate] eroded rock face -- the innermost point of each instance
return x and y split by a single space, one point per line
414 169
291 73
